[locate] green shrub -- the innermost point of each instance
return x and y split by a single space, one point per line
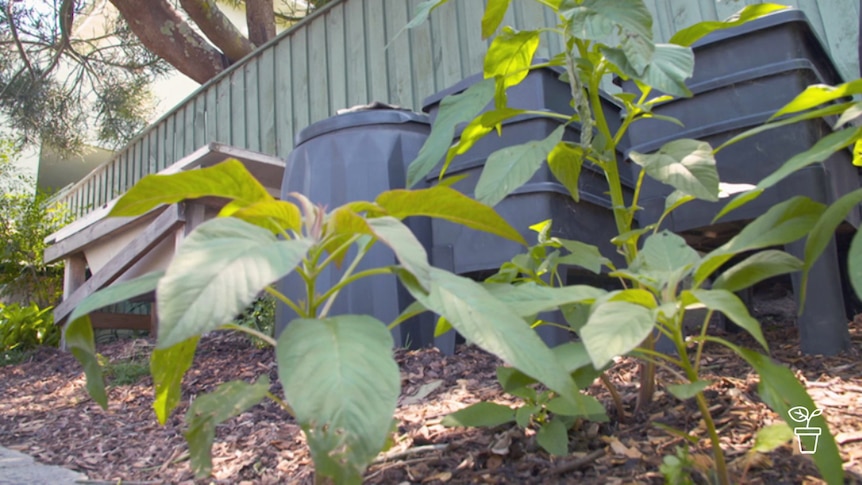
25 327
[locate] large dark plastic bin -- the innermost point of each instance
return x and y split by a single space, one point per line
540 90
356 156
822 325
755 90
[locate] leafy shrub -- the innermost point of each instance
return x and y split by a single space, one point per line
260 317
26 327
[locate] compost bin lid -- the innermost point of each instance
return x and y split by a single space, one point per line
375 113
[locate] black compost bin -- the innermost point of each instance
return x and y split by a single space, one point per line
823 324
356 156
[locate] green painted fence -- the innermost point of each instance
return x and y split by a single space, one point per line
339 57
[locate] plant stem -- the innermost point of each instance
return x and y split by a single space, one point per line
346 278
281 403
255 333
615 395
287 301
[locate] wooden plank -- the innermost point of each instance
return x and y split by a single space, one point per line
252 108
153 159
318 71
283 102
211 116
337 64
375 45
837 23
74 274
470 24
357 78
120 321
422 60
165 224
169 142
299 66
179 123
398 60
447 61
267 99
223 112
91 230
189 128
200 121
237 108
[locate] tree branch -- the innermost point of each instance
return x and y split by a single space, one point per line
13 29
218 28
167 35
260 18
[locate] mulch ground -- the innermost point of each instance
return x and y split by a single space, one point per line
45 412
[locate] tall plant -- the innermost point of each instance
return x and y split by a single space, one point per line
664 277
339 377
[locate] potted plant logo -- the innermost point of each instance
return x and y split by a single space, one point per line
806 436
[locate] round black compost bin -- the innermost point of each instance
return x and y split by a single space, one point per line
349 157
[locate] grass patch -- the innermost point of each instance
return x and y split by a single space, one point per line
14 356
124 372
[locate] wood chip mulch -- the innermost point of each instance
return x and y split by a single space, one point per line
45 412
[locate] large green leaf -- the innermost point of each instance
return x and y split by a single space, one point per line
510 167
78 333
476 130
686 165
168 366
771 437
584 255
409 251
454 110
670 66
495 327
780 389
480 415
687 390
342 383
495 10
218 271
553 437
208 410
664 261
756 268
510 56
615 328
821 150
733 308
565 162
598 19
276 215
824 230
692 34
818 94
783 223
447 203
530 298
229 180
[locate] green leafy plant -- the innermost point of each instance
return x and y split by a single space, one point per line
26 327
664 277
339 378
259 316
124 372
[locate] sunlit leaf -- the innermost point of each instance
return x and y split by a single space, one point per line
480 415
168 367
692 34
217 272
495 10
685 164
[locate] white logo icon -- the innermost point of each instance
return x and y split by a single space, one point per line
806 436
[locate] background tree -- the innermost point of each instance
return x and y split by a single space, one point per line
68 65
25 221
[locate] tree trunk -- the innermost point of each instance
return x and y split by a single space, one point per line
166 34
218 28
260 18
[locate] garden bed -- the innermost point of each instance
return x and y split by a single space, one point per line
45 412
